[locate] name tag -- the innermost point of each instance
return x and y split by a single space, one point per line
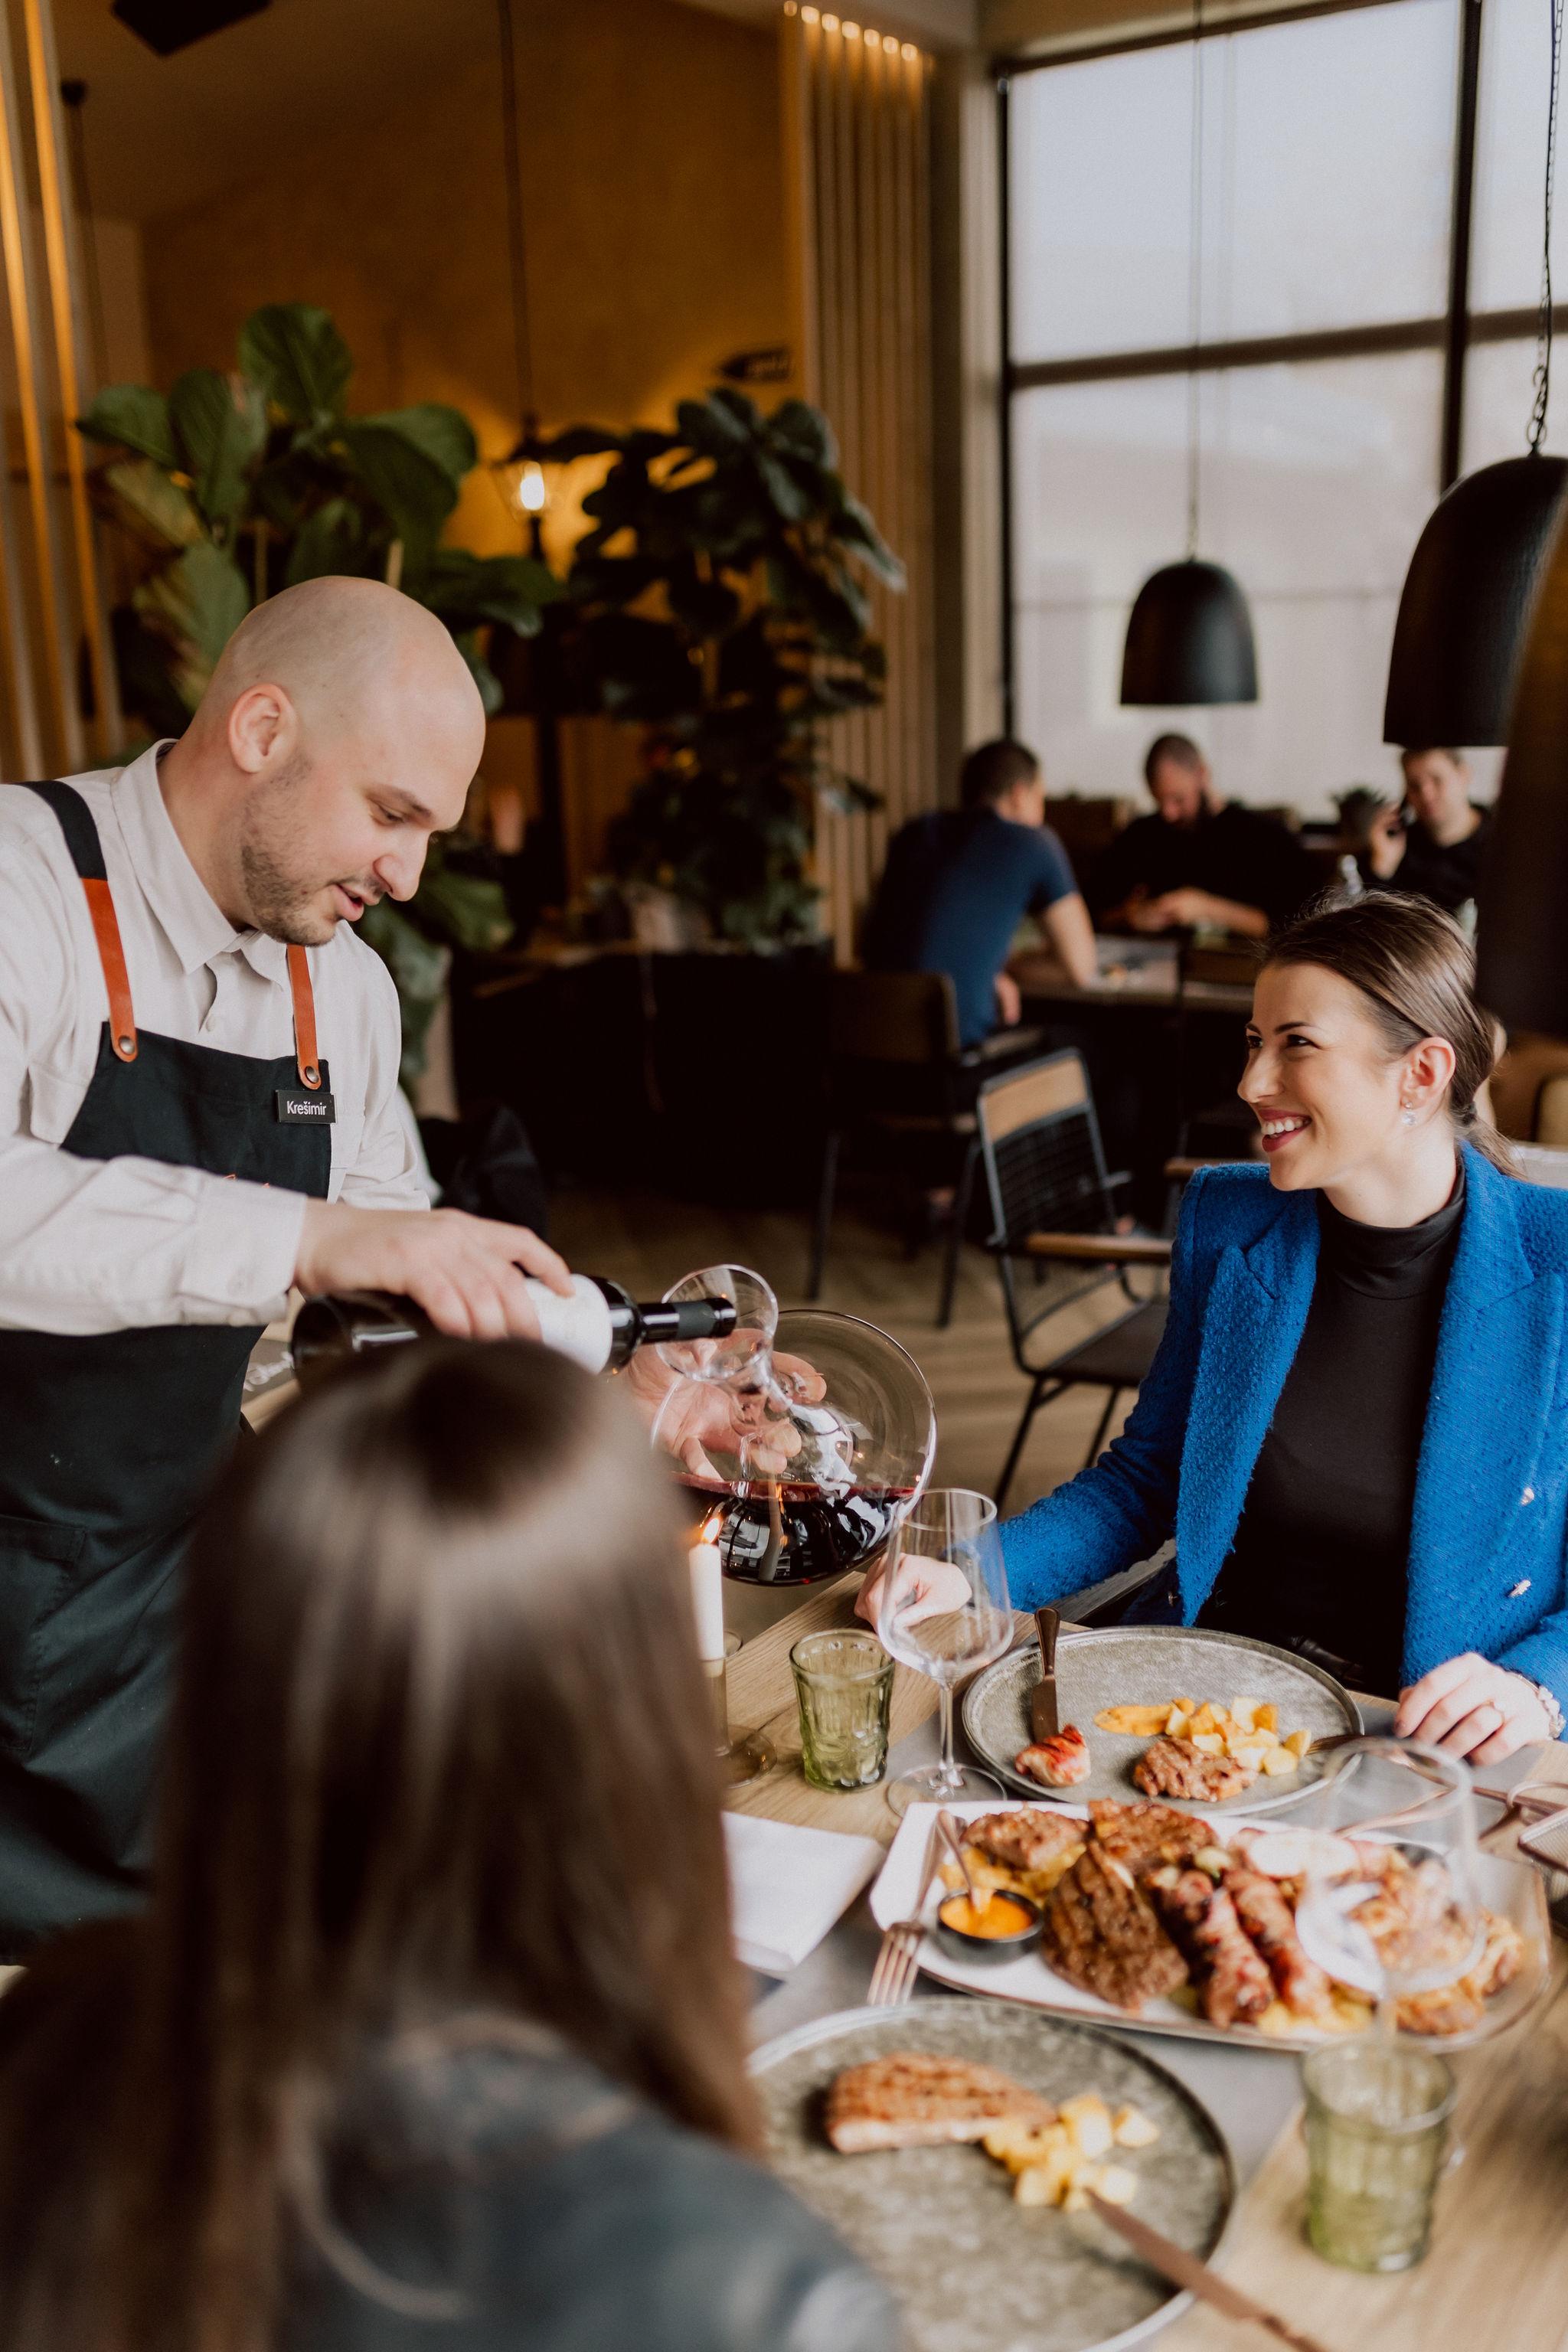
298 1107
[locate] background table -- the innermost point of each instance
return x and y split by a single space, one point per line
1497 2277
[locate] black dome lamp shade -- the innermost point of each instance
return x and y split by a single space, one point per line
1189 639
1521 938
1467 596
1466 601
1189 635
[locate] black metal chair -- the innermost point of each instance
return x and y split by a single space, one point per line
1053 1204
897 1073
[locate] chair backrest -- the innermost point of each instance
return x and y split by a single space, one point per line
892 1017
1541 1164
1039 1139
1551 1113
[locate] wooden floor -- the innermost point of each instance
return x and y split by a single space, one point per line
647 1243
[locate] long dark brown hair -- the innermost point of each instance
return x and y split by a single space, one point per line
440 1752
1416 970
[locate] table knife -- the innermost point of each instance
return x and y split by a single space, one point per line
1186 2270
1044 1722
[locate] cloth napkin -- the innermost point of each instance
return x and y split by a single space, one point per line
788 1886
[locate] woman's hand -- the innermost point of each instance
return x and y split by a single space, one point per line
1474 1709
923 1588
725 1415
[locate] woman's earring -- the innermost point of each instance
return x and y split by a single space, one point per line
1407 1117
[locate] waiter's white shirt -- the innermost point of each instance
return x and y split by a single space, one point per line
93 1245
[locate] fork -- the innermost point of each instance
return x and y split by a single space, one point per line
898 1960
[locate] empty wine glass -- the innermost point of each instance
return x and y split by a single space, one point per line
945 1627
1389 1905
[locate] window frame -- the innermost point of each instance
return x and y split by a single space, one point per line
1453 331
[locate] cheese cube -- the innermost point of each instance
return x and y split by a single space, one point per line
1116 2185
1088 2119
1279 1762
1209 1743
1177 1724
1133 2128
1266 1717
1298 1742
1243 1712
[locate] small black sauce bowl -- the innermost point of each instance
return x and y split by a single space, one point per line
964 1946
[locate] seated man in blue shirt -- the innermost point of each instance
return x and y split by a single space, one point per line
958 883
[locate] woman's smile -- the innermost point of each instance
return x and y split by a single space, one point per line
1281 1127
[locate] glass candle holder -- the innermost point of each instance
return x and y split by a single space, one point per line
844 1682
1377 2127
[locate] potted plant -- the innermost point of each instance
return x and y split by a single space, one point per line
234 486
719 606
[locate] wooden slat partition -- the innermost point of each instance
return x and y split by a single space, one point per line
858 141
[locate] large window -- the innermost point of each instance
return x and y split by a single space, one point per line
1333 394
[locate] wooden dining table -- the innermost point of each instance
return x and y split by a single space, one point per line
1495 2278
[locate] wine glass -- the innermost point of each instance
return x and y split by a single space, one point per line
1389 1905
948 1633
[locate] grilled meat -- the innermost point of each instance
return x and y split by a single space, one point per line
1145 1837
1264 1913
1234 1984
1175 1768
1101 1933
1058 1763
1024 1840
1456 2008
910 2099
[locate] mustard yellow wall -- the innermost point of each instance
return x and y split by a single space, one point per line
652 188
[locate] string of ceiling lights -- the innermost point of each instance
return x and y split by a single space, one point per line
889 43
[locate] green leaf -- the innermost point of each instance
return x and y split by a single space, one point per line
441 434
491 691
790 499
331 541
468 909
137 417
296 354
466 590
409 487
713 426
144 490
801 431
218 434
199 601
854 526
418 967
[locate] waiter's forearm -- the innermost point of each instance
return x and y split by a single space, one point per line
93 1245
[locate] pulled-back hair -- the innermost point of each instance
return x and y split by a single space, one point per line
991 770
1418 973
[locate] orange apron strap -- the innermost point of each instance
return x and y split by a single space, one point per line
304 1017
112 955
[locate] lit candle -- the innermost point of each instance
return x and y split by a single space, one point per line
708 1600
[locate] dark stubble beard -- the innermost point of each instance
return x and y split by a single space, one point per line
273 851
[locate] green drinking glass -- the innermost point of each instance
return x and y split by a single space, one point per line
844 1682
1377 2127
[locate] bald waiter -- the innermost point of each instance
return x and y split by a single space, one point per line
198 1075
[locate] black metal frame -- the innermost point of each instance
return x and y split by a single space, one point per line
1453 334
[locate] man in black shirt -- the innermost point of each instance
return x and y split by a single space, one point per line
1199 863
1437 855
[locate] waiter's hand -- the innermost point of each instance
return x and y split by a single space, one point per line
1388 843
467 1273
1473 1708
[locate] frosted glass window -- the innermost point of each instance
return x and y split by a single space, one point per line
1316 481
1327 184
1511 160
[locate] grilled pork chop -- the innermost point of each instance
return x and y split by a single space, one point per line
910 2099
1146 1836
1174 1768
1101 1933
1024 1840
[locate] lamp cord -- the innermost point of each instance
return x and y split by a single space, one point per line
522 348
1543 376
1195 273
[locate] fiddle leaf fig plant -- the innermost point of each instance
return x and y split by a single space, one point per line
232 486
720 604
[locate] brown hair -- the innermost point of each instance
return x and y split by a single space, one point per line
441 1753
1179 749
1418 973
991 770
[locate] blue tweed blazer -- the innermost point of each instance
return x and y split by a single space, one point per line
1489 1535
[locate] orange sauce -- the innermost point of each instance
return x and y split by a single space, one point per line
1002 1916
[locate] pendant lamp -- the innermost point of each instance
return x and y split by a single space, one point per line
1522 939
1466 599
1189 635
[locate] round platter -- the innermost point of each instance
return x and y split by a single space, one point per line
971 2269
1139 1665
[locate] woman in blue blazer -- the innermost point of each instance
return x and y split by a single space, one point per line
1356 1426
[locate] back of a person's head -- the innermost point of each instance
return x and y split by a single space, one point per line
993 769
440 1753
1179 751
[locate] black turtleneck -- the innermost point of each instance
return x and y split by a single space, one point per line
1324 1539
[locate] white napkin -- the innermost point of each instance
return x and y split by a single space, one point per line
788 1886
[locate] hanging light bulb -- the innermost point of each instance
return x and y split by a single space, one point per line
531 491
1189 635
1467 596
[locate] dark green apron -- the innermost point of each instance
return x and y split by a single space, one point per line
108 1445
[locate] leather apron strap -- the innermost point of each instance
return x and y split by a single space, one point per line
87 856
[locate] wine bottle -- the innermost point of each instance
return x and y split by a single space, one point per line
599 1325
